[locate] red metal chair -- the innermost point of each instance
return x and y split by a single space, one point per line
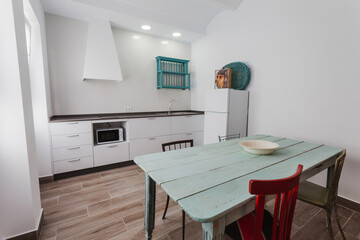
262 224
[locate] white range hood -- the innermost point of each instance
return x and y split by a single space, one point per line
101 59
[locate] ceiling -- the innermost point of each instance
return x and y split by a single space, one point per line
189 17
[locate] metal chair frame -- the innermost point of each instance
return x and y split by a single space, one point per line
228 137
331 202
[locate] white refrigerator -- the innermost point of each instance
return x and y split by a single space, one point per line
226 113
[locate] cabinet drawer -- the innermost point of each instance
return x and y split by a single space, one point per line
111 153
149 127
185 124
198 137
70 127
71 140
72 152
144 146
73 164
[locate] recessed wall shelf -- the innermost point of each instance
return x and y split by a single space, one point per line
172 73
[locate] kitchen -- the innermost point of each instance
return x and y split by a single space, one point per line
273 38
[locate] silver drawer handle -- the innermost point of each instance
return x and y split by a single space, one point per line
73 123
74 160
151 118
112 146
74 148
76 135
188 134
152 138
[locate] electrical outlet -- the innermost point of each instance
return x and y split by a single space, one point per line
127 108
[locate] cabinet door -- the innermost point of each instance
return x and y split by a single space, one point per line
149 127
72 152
198 137
145 146
73 164
70 127
111 153
70 140
189 123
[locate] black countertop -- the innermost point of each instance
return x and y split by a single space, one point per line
104 116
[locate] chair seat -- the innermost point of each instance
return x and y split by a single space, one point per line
242 229
313 193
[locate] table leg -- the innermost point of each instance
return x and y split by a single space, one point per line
150 189
214 230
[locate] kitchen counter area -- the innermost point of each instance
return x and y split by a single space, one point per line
90 117
86 141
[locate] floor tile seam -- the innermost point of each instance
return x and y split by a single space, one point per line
348 219
343 227
56 229
292 234
59 188
87 211
115 207
127 230
333 222
164 235
350 209
326 233
352 212
316 213
99 226
351 235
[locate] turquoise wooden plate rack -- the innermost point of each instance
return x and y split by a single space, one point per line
172 73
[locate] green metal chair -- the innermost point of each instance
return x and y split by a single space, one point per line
325 198
228 137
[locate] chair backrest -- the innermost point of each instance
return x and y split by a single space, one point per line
177 145
334 185
228 137
286 191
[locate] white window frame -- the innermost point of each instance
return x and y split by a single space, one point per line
28 37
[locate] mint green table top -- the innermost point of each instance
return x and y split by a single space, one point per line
210 181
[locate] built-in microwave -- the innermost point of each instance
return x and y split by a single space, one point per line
109 135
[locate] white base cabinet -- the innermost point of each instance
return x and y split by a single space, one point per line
149 145
187 124
71 140
198 137
111 153
149 127
73 164
72 152
73 145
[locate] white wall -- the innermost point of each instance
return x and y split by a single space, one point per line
66 40
39 81
304 57
19 187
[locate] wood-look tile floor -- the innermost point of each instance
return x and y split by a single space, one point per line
110 205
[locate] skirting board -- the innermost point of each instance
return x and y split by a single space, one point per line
46 179
92 170
33 235
349 204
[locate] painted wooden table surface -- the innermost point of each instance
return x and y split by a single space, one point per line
211 182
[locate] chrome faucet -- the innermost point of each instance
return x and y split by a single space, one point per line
170 106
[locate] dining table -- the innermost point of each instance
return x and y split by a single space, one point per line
211 182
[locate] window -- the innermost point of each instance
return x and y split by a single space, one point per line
28 37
